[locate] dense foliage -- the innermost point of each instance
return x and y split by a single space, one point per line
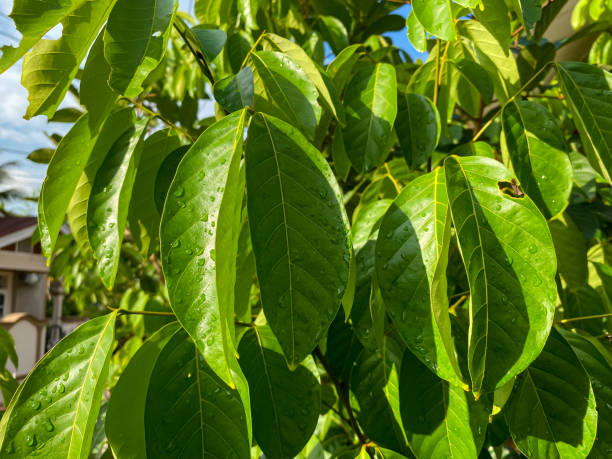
357 255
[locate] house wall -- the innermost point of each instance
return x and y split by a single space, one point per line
30 298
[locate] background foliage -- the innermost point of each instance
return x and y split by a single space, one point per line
357 255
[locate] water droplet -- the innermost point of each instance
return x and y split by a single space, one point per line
170 446
35 404
62 388
537 281
111 225
10 448
30 439
213 257
48 425
179 192
533 248
204 217
176 244
504 299
212 198
404 315
210 340
201 175
82 349
323 193
389 235
188 375
188 251
201 261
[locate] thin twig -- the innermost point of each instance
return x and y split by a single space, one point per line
146 109
390 175
144 313
575 319
246 58
198 56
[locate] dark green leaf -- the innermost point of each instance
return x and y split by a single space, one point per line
536 147
54 411
66 115
510 262
334 32
371 108
588 92
237 48
210 41
571 251
41 155
418 128
300 234
135 40
235 92
110 197
285 403
586 301
340 69
283 89
556 394
165 175
190 412
440 419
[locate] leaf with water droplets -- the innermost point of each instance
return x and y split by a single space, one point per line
285 403
411 260
110 197
42 419
556 394
440 418
492 228
124 424
201 217
300 234
190 412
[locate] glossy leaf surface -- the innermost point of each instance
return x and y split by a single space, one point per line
285 403
300 234
54 411
436 16
418 127
510 262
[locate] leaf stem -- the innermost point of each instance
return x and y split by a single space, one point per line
575 319
146 109
246 58
514 96
198 56
390 175
144 313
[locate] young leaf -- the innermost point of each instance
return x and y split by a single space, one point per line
33 19
300 234
436 16
50 67
375 396
440 419
411 260
143 216
416 33
235 92
339 70
285 403
593 358
125 417
283 89
63 174
588 92
538 153
135 40
510 261
110 197
418 128
190 412
201 219
112 128
54 411
371 107
299 56
556 392
95 93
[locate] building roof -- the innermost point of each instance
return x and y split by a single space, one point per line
9 225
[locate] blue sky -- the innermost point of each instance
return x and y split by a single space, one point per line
18 137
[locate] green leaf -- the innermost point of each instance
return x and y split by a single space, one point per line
66 115
135 40
596 361
371 107
201 219
571 250
342 163
493 57
63 174
213 12
436 16
510 262
538 153
440 419
143 216
334 33
411 260
283 89
473 76
300 234
340 69
54 411
416 33
110 197
95 93
418 128
33 19
474 149
165 174
7 349
235 92
210 41
586 301
285 403
113 127
190 412
375 396
41 155
299 56
50 67
556 392
237 48
588 92
125 417
531 12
